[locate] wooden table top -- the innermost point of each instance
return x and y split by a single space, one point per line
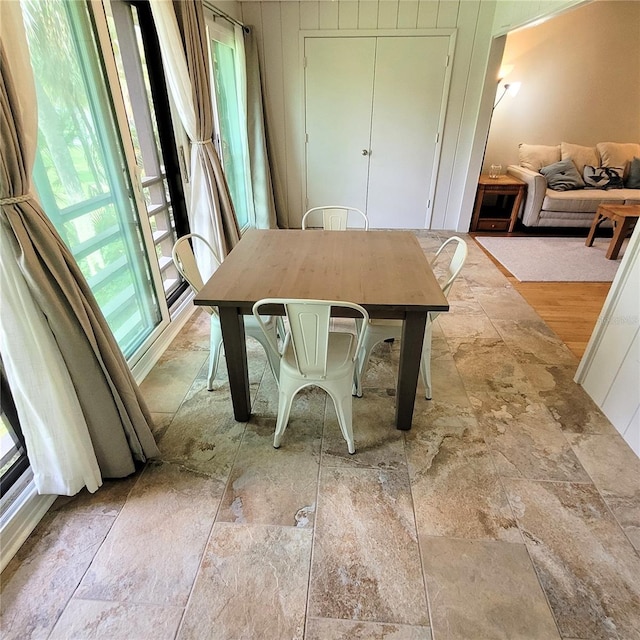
377 269
503 180
622 210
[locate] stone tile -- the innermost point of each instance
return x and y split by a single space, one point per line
152 553
533 342
195 335
615 470
279 487
85 619
446 383
382 369
484 589
467 327
324 629
483 274
366 562
567 401
379 444
525 439
488 365
41 578
160 424
166 386
586 565
462 300
204 436
108 500
504 303
456 490
252 584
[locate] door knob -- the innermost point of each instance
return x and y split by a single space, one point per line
365 152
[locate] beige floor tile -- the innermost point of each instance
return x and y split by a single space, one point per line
85 619
153 551
467 327
568 402
165 387
531 341
504 303
525 439
366 560
586 565
379 444
455 487
615 470
279 487
160 423
252 584
195 335
484 590
324 629
39 581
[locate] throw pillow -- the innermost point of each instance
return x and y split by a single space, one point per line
633 179
580 155
562 176
618 154
603 178
536 156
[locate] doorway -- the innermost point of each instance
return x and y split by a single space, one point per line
374 114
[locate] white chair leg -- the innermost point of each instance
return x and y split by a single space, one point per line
344 410
425 362
361 364
215 348
284 409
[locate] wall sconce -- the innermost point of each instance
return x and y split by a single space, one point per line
511 88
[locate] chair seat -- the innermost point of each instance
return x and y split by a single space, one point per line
339 356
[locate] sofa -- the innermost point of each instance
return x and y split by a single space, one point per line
559 196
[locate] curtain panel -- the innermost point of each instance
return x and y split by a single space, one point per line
81 411
182 35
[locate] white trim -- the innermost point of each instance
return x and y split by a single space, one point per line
21 518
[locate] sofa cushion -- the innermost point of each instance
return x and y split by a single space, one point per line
602 177
633 177
562 176
536 156
580 155
618 154
582 200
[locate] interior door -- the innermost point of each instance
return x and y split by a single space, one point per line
373 112
409 81
339 92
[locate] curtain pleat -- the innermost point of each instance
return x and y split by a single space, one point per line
182 36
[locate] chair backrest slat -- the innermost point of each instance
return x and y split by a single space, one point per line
334 218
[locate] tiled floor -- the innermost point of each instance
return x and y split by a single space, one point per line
511 510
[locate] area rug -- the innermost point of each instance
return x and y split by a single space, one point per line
553 259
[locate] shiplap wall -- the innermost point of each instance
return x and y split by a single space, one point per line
277 27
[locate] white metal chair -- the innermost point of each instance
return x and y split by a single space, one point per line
376 331
333 218
314 355
184 259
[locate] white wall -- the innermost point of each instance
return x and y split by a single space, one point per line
610 368
278 26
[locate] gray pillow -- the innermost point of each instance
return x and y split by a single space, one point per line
633 179
562 176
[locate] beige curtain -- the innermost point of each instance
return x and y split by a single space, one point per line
262 187
183 43
116 417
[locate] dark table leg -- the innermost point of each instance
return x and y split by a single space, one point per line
232 325
410 354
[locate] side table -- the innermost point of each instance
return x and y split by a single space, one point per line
497 217
624 218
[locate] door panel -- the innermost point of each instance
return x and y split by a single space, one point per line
339 90
383 95
409 80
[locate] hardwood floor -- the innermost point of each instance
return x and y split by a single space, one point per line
571 309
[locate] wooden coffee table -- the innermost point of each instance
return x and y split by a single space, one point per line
624 218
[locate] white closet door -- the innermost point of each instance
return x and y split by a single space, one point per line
339 89
409 84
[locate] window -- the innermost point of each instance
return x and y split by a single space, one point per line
230 119
81 173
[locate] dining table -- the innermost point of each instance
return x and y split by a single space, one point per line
385 271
